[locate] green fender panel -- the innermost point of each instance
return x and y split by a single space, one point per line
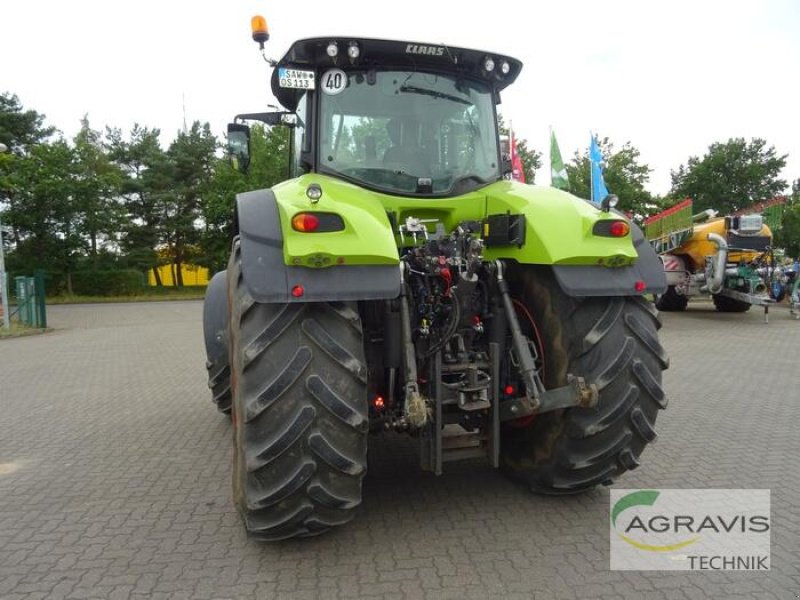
558 228
559 233
269 279
367 238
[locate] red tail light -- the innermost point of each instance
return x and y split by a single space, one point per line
317 222
612 228
619 229
305 222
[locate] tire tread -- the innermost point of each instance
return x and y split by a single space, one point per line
298 382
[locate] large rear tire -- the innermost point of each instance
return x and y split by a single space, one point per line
299 412
219 382
215 330
731 305
671 300
610 341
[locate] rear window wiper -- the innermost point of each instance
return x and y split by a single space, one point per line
410 89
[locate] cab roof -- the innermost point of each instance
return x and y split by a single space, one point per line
373 53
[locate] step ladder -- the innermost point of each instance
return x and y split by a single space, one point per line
444 439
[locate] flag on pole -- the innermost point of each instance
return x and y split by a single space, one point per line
517 169
558 173
599 190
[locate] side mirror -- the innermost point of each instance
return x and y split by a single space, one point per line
239 146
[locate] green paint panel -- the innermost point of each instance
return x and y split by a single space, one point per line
558 225
559 228
366 240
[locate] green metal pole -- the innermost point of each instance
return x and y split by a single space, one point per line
41 304
22 300
30 300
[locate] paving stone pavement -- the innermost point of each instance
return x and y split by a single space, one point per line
115 478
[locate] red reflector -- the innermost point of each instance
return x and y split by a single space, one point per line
305 222
640 286
298 291
619 229
509 390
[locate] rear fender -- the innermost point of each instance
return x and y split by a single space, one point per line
215 318
264 255
592 280
559 232
559 228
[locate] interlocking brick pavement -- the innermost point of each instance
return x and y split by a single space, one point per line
115 478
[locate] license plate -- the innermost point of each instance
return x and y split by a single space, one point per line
296 79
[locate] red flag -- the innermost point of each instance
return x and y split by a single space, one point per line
517 170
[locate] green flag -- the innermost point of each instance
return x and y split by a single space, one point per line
558 173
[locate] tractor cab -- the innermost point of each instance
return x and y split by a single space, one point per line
396 117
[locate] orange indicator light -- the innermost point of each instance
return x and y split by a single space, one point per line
258 25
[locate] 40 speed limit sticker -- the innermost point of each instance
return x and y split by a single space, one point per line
296 79
333 81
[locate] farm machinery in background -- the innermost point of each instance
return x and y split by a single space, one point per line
729 258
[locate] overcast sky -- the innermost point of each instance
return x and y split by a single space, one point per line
671 77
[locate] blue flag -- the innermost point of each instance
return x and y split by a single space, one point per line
599 190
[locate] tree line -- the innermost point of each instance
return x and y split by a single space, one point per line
121 200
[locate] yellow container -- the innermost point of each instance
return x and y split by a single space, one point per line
192 275
697 247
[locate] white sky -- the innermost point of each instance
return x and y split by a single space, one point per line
671 76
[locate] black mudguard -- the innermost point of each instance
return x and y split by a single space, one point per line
215 319
268 279
591 280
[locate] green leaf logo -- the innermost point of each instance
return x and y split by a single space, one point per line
644 498
640 498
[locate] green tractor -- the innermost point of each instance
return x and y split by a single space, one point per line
398 281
